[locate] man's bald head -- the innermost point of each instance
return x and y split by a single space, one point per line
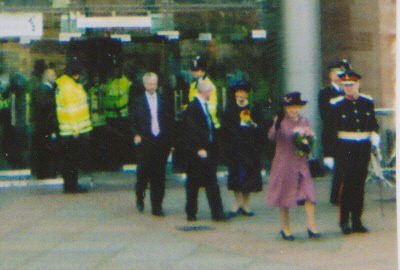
205 89
205 86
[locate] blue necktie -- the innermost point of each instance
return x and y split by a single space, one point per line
209 122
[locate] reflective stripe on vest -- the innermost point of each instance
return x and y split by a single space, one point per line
72 107
117 97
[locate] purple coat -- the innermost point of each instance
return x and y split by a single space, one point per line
290 181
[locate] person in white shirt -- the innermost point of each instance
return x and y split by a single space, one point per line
201 154
151 123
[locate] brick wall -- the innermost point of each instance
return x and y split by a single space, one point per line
363 31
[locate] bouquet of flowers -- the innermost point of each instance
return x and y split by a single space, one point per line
245 119
303 140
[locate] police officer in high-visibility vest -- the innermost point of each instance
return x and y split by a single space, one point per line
5 121
116 103
199 71
19 109
99 136
74 125
353 130
116 100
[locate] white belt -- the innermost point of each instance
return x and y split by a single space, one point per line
354 136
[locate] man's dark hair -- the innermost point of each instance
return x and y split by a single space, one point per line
73 68
39 67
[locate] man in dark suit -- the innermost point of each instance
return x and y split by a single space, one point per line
325 95
45 126
201 154
151 123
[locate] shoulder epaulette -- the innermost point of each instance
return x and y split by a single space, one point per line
336 100
367 97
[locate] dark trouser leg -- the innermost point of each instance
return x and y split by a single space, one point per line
157 183
214 200
69 167
360 174
157 187
192 191
334 197
44 161
141 182
342 171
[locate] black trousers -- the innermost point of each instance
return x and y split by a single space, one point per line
152 158
44 155
18 147
351 169
203 173
75 156
334 196
119 142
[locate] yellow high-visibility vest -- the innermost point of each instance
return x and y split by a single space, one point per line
4 103
116 99
96 95
72 107
213 102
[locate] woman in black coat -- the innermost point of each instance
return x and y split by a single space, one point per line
243 152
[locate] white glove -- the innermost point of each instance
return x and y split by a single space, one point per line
329 162
202 153
375 139
137 139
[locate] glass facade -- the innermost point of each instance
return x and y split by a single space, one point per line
220 31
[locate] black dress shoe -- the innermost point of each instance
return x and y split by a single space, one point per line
78 189
222 218
158 213
313 235
287 237
191 218
360 229
247 214
233 214
345 229
140 206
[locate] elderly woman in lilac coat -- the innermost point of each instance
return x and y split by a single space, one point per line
290 182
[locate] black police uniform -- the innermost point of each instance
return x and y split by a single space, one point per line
352 122
325 95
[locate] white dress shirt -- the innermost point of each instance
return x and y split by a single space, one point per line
152 100
337 87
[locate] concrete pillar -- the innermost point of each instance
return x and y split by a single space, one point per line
301 53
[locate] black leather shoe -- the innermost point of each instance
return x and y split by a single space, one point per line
140 206
77 190
222 218
158 213
345 229
313 235
191 218
360 229
233 214
247 214
287 237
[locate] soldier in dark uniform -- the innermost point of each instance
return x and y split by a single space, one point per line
353 128
325 95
